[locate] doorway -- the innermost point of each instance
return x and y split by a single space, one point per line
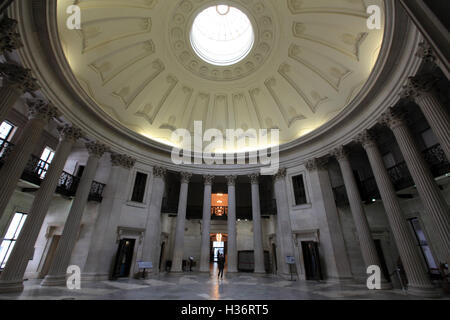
311 258
274 255
380 254
50 256
161 255
124 258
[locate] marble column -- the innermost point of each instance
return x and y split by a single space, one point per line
433 200
9 38
285 245
12 277
418 280
57 273
258 248
422 90
332 243
232 255
178 249
39 114
152 240
206 224
366 242
16 81
103 246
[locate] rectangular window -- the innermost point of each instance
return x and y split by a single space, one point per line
11 237
139 187
424 247
299 190
6 133
44 163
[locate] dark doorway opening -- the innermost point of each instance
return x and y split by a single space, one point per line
313 269
124 257
161 255
380 254
274 255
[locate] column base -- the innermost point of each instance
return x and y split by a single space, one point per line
386 285
54 281
176 271
425 292
11 286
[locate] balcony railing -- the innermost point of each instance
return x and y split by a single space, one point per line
36 170
400 177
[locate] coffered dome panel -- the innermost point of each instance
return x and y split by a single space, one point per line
135 61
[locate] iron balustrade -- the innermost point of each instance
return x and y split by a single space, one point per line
5 149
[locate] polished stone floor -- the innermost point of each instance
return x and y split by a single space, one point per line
198 286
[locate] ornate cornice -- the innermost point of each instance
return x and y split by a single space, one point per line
366 138
419 85
96 149
18 77
159 172
185 177
254 178
340 153
9 39
393 118
316 164
70 133
122 160
208 179
231 180
40 109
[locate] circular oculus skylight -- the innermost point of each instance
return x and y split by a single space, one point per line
222 35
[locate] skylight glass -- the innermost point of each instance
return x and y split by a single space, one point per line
222 35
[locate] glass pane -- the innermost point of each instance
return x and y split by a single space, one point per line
8 253
5 130
430 260
419 232
4 250
19 228
50 158
45 154
13 226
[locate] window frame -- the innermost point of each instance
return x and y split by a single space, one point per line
16 234
306 185
133 185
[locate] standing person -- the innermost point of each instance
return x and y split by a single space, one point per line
221 263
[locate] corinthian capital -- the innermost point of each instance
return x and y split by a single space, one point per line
392 118
96 149
70 133
185 177
425 52
281 174
419 85
40 109
122 160
231 180
340 153
366 138
159 172
9 38
18 77
254 178
316 164
208 179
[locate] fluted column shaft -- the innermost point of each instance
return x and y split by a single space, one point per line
12 277
178 250
285 245
418 279
152 240
206 225
39 115
432 198
366 242
232 255
8 97
57 273
103 245
258 249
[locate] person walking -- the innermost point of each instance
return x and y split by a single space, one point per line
221 263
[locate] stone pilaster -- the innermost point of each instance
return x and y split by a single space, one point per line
9 38
337 264
103 246
206 224
285 246
435 205
257 226
178 248
421 89
152 240
16 81
40 113
61 260
418 279
366 242
232 255
12 277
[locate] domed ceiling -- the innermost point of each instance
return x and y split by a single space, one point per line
135 60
